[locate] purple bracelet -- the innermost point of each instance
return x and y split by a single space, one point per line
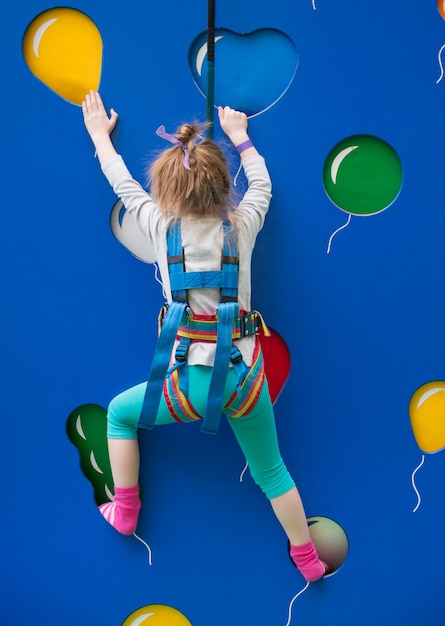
243 146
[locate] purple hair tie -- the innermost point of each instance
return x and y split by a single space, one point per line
174 140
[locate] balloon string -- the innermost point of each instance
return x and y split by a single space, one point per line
243 472
414 484
440 64
237 174
158 280
313 5
337 231
292 602
146 545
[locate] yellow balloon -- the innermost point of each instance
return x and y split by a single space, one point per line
427 415
156 615
63 48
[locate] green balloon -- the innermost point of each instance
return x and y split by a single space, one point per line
86 427
362 175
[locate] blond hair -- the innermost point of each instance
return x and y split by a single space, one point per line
203 190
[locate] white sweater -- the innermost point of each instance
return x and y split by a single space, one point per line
202 241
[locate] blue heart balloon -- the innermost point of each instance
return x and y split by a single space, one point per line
252 71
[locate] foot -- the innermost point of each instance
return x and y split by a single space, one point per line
305 559
123 512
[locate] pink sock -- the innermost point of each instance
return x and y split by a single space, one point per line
306 559
123 512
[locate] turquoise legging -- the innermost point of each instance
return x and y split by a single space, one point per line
255 432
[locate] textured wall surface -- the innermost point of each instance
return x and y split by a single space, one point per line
362 315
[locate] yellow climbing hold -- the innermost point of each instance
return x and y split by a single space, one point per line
63 48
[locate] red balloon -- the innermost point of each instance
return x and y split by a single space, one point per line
276 361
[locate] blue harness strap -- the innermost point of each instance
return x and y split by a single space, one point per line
227 311
229 285
173 317
159 367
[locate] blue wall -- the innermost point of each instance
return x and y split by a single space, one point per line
364 325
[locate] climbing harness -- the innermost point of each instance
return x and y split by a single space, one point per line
176 321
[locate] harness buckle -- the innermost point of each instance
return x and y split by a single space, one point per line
244 325
249 324
182 352
235 355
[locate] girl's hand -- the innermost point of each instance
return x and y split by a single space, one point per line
95 117
234 124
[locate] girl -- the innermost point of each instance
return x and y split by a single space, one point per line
190 185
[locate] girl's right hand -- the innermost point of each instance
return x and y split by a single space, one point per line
99 125
95 117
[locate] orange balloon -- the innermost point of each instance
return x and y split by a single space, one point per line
63 48
441 7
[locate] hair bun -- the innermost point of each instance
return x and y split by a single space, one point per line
188 132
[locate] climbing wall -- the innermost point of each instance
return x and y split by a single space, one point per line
346 103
